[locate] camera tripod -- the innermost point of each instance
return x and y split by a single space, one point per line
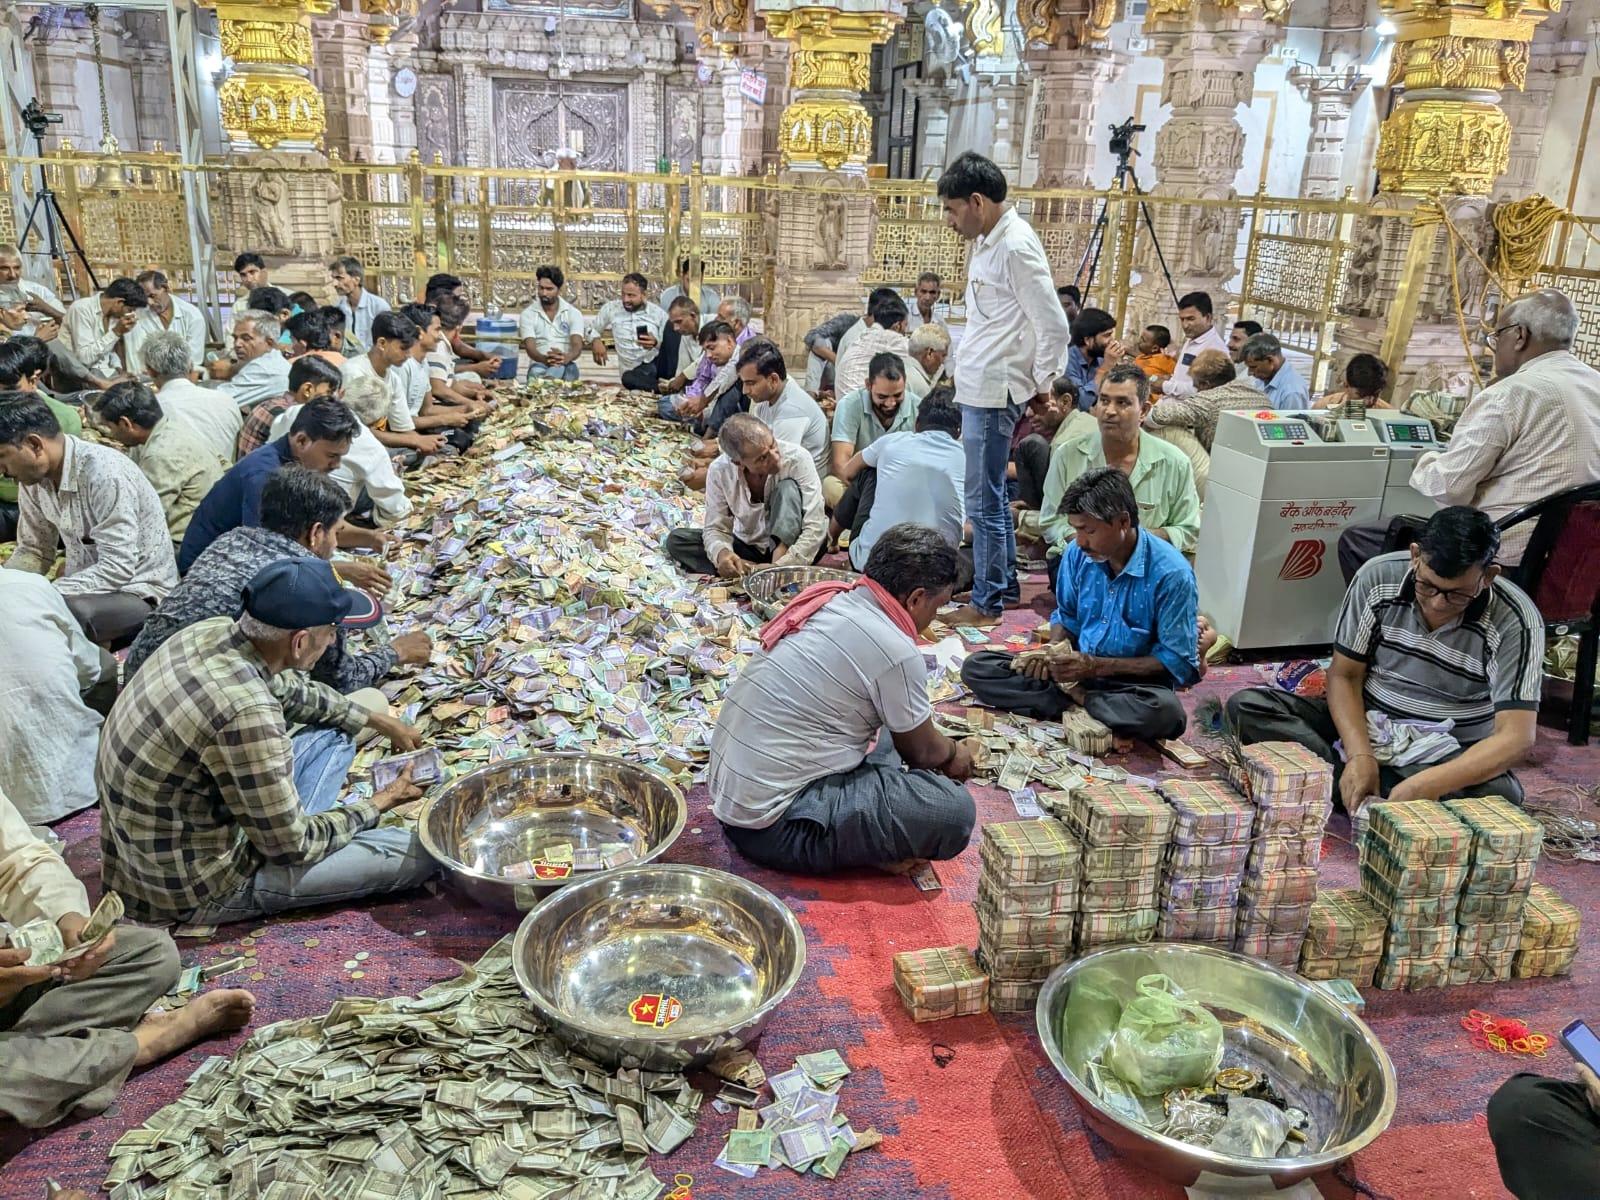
1126 181
46 211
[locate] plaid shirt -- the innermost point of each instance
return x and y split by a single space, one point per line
257 429
196 775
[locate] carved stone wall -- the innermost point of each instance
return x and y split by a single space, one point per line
1529 111
1071 81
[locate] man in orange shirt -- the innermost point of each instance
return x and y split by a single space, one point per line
1153 357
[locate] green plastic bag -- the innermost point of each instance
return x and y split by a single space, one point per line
1164 1040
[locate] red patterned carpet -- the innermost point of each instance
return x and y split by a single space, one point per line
996 1122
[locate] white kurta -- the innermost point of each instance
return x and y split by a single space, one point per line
51 737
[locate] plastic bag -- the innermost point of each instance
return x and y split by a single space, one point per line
1164 1040
1091 1014
1254 1129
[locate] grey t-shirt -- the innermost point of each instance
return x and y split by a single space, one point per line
1489 658
921 478
811 708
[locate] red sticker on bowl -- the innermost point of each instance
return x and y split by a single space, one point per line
655 1009
546 870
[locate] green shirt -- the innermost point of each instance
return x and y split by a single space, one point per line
71 422
856 423
1163 484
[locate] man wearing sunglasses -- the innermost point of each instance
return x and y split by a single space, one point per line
1430 641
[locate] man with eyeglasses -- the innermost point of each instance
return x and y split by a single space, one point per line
1532 433
1430 641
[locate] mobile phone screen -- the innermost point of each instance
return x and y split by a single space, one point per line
641 330
1583 1044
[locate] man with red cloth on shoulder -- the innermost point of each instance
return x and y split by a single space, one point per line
791 778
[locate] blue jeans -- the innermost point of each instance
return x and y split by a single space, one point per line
567 371
373 862
986 434
666 409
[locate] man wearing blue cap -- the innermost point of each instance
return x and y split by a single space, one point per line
211 812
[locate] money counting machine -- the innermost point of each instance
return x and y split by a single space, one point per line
1408 439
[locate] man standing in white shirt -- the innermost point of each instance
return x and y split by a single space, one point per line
780 403
551 329
1532 433
96 325
164 311
1016 337
763 505
260 370
209 412
636 327
360 307
1197 318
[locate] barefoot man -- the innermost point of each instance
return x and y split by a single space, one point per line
70 1032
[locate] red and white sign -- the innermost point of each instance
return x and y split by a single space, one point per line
753 86
655 1010
1304 560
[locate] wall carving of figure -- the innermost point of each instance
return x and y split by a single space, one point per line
269 214
1208 244
1473 250
830 233
942 54
1366 256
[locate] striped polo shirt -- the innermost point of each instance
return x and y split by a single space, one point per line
1489 658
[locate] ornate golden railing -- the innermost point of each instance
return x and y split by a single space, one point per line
1572 263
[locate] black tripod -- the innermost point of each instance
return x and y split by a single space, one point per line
1125 181
46 209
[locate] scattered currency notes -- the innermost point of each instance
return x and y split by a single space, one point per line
458 1091
802 1128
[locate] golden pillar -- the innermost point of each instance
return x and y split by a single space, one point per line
268 98
1448 133
825 127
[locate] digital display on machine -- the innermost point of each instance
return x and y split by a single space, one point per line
1410 433
1281 432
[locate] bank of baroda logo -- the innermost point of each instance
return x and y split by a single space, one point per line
1303 560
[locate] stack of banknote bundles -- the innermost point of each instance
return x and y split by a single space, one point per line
1124 829
1205 861
1505 847
1027 896
1413 860
1549 935
940 982
1345 937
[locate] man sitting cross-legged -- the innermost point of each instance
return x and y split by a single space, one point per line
211 811
763 505
1425 635
791 777
300 513
71 1032
1124 633
885 405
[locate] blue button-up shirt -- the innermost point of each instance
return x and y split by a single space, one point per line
1286 391
1080 372
233 501
1150 608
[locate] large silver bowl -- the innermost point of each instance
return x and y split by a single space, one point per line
1343 1078
771 588
485 827
606 962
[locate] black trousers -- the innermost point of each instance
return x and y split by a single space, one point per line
1546 1138
643 377
666 364
111 620
724 406
1270 715
8 521
1368 539
1149 711
1032 457
686 546
855 506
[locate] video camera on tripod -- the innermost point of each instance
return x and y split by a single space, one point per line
1122 138
37 120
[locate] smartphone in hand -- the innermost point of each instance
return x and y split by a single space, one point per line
1583 1044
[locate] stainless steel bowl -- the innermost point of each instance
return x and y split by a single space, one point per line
771 588
488 827
1321 1056
659 967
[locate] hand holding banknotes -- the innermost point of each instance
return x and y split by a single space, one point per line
401 736
17 977
401 791
367 574
72 927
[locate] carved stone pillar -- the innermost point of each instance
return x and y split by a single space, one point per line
55 73
150 71
1447 137
1071 80
933 124
269 100
1211 53
1333 94
825 126
341 75
1529 113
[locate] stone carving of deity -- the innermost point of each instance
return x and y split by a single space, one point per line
269 214
830 233
1207 248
